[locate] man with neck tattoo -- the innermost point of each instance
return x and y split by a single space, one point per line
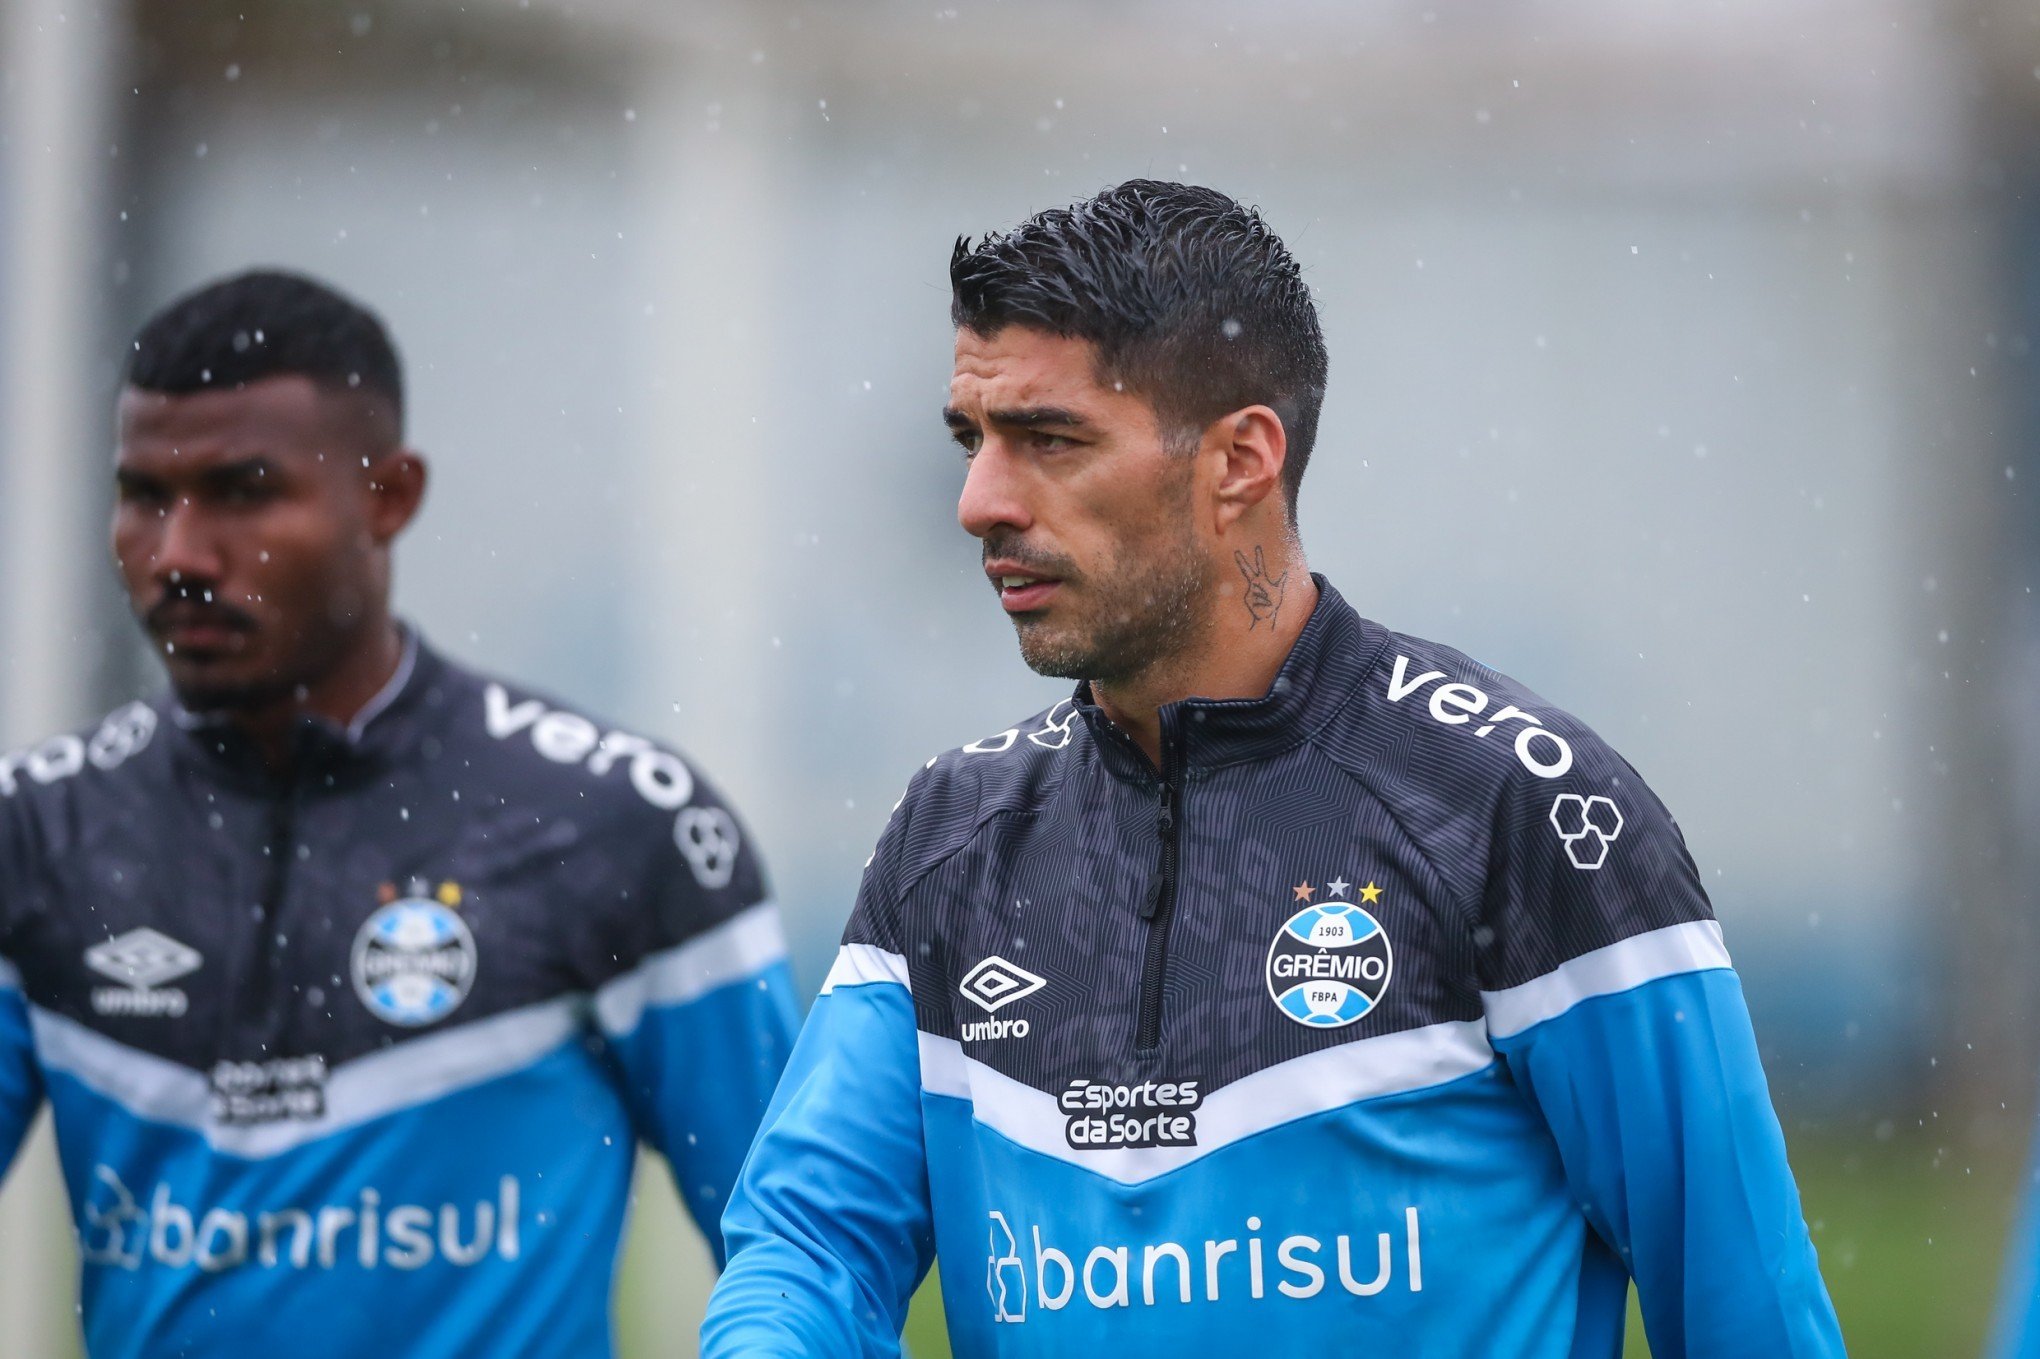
353 979
1295 986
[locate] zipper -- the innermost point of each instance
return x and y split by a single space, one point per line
282 844
1158 906
259 967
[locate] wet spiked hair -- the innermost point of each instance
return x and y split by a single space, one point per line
263 324
1192 303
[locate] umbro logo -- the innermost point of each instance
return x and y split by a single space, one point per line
990 985
142 960
995 982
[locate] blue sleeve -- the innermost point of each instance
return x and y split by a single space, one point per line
2016 1334
699 1034
20 1082
1610 997
830 1229
1658 1103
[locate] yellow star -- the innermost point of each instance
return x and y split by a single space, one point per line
1303 890
1370 894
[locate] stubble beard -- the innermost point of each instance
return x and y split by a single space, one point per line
1144 613
257 686
230 697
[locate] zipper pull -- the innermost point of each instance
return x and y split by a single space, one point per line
1165 829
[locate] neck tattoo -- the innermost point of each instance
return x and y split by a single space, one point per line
1263 594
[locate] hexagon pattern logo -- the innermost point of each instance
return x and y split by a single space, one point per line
1588 826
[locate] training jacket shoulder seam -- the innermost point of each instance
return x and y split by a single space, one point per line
1051 783
920 875
1460 903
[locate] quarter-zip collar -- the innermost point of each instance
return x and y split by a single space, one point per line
1317 679
387 725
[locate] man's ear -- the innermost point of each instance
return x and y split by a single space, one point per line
1254 447
396 488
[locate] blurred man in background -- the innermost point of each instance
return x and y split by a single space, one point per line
353 978
1296 986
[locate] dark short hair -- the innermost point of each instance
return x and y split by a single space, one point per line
1192 302
261 324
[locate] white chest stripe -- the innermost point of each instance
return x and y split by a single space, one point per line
406 1076
1318 1083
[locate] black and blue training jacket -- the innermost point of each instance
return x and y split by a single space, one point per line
355 1060
1386 1016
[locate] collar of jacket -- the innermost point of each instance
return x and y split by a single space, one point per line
387 725
1320 676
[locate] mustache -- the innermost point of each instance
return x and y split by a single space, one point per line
182 604
1008 546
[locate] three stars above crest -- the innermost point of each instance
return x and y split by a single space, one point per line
1337 888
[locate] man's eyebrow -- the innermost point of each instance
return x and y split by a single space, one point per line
254 465
1035 417
1020 417
258 469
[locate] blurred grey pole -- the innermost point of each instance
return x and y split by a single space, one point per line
715 173
59 103
1977 461
716 186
